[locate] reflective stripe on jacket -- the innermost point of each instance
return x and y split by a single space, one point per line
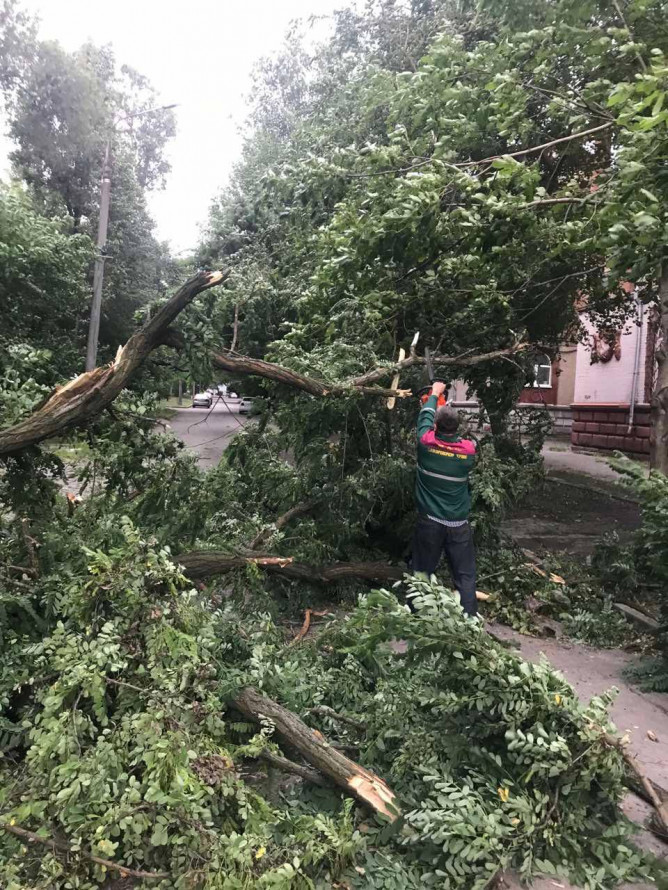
443 467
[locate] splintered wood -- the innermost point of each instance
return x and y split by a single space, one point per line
375 792
364 785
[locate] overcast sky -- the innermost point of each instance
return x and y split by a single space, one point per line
198 53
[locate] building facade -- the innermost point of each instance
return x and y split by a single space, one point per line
598 390
613 386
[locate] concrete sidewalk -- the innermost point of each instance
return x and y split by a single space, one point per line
562 461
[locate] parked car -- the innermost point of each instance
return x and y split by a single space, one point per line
202 400
245 405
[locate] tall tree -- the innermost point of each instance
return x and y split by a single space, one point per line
62 110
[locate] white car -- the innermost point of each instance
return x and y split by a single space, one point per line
245 405
202 400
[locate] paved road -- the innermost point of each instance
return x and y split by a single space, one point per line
208 431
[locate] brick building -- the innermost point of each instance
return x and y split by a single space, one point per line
597 390
613 387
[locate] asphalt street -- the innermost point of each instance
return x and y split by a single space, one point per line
208 431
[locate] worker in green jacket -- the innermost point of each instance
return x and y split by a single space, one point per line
443 496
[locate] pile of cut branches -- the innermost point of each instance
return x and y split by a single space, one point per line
148 736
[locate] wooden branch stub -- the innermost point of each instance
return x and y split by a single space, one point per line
325 711
660 806
289 766
282 521
362 784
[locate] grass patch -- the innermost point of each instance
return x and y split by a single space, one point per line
167 408
70 452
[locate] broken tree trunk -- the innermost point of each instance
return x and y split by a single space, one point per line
204 563
362 784
659 431
83 398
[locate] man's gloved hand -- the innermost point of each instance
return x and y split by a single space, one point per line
438 388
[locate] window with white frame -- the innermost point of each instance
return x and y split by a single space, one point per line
542 372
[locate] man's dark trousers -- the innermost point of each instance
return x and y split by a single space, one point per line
431 539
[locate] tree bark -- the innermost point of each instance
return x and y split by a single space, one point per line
362 784
243 364
659 409
88 395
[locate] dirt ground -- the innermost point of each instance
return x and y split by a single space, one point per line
566 514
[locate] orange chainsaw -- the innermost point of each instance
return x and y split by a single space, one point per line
425 392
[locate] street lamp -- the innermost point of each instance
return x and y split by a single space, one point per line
103 222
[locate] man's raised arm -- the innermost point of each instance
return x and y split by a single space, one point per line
428 411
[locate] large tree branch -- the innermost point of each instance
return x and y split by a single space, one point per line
242 364
200 564
367 787
363 384
82 399
464 360
56 846
88 395
205 563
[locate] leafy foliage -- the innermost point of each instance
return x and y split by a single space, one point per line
390 183
640 567
62 108
130 749
42 293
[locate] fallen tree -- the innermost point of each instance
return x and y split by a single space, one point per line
81 400
205 563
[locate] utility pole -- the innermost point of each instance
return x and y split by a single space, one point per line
98 275
103 223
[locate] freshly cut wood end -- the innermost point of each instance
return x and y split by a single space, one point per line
481 595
